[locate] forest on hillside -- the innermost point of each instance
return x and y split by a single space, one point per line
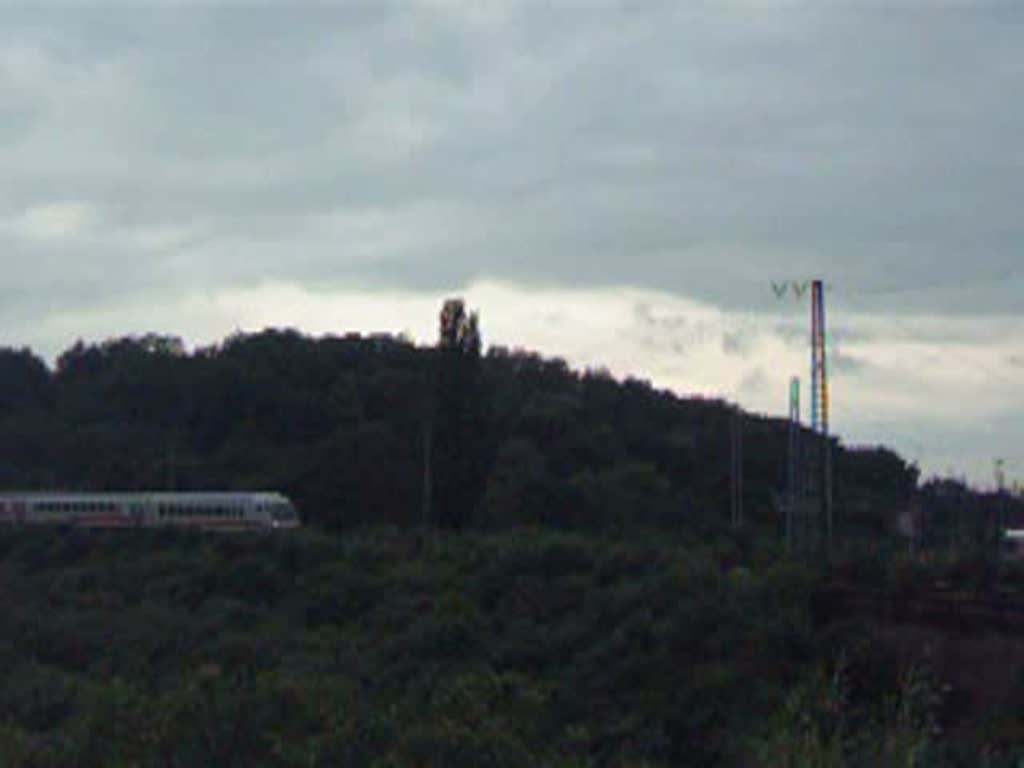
505 562
378 430
345 426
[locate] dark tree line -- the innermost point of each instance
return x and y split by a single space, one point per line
375 429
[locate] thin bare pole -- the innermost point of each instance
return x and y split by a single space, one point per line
791 466
736 470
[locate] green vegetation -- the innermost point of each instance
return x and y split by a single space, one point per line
401 649
342 425
505 563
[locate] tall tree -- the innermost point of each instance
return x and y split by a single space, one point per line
457 477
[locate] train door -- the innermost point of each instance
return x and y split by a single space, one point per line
138 513
20 508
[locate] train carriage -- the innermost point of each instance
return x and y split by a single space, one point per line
220 511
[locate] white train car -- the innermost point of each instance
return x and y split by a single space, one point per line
219 511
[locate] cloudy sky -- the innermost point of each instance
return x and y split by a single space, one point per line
623 184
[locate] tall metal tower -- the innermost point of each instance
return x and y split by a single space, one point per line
819 372
820 403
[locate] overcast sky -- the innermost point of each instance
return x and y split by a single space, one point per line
616 183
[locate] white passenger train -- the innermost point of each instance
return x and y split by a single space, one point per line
209 511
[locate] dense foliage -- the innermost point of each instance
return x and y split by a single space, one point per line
397 648
349 425
592 609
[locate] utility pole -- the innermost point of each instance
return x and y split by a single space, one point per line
736 473
1001 501
820 404
792 457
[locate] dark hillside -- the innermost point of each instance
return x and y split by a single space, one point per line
340 423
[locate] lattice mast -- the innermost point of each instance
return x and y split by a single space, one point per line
819 370
820 402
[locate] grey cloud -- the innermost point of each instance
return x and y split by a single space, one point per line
842 362
706 151
737 343
754 383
